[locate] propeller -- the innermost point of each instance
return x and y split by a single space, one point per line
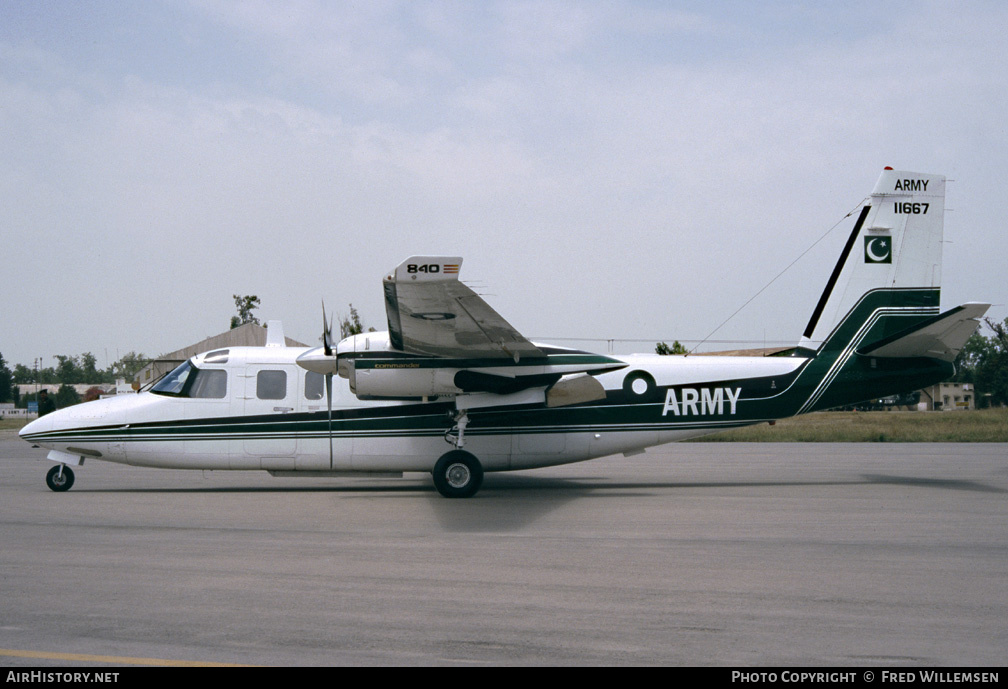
326 333
328 349
323 360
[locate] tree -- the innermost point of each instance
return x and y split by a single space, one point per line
6 379
350 325
23 374
676 348
66 396
89 368
245 305
983 361
128 366
67 371
92 394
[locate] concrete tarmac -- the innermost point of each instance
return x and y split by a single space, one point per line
692 554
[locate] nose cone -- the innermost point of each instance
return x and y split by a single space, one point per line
77 423
40 425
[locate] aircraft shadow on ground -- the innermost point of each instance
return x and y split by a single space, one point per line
498 486
512 501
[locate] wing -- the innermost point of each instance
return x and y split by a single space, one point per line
431 313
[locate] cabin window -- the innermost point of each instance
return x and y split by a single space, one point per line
314 385
271 385
209 384
219 356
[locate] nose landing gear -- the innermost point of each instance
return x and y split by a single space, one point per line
60 478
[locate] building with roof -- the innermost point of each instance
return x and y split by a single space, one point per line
948 397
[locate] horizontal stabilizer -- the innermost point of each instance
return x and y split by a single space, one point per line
940 337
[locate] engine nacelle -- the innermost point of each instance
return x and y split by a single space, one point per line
356 345
398 379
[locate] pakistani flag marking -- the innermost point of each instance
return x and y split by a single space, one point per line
878 249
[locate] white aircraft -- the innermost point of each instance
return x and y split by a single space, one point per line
452 389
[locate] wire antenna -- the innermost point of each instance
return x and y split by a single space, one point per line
774 279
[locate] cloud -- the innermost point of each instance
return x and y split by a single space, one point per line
604 170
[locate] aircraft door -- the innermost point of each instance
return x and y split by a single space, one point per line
270 440
206 403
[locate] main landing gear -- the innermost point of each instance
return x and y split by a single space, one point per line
60 478
458 474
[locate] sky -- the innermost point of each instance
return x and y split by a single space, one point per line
627 171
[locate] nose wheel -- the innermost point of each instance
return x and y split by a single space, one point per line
60 478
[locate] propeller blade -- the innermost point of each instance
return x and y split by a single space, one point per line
326 333
328 391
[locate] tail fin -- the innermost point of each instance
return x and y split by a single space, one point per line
893 252
876 329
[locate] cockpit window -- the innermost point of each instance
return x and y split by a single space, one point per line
189 381
174 382
209 384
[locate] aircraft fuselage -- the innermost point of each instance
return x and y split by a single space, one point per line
270 414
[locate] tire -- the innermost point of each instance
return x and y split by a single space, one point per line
58 482
457 474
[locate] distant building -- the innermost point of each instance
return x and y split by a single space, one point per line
760 351
80 388
948 397
247 335
9 411
121 388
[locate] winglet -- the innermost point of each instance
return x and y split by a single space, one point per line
426 269
431 312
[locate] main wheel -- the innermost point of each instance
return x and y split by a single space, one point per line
458 474
59 481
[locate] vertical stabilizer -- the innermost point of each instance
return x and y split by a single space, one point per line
885 287
895 246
